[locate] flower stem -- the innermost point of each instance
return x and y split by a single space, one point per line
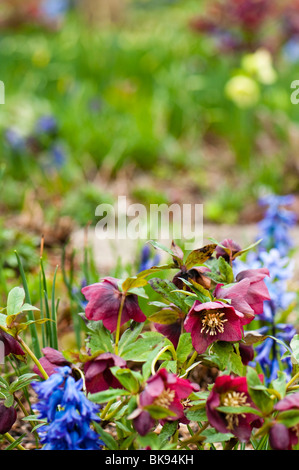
34 358
117 335
293 379
12 441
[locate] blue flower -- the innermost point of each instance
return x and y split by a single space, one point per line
46 125
147 261
68 413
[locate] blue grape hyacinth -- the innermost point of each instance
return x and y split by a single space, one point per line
68 413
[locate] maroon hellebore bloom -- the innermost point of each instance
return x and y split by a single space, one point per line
230 251
11 345
212 321
51 360
166 390
98 376
232 392
8 417
104 300
281 437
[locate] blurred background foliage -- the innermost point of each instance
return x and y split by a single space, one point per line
162 101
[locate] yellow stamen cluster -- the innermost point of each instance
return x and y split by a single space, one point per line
213 322
165 399
234 399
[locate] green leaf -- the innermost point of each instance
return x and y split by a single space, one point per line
226 271
127 378
199 256
15 300
158 412
140 350
128 337
212 436
294 344
107 395
238 410
107 438
100 338
184 347
226 358
290 418
258 392
22 381
165 316
167 289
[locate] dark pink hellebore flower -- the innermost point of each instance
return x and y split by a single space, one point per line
164 389
212 321
51 360
281 437
11 345
8 417
104 300
257 292
98 376
231 391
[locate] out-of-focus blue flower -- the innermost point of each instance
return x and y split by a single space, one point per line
58 155
14 139
68 413
277 221
269 352
46 124
147 261
54 8
291 50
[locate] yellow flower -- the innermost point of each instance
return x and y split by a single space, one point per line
243 91
259 65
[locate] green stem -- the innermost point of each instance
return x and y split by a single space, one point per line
117 334
195 438
168 347
117 409
34 358
12 441
293 379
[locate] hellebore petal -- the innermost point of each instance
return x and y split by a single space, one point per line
98 376
51 360
11 345
212 321
258 291
8 417
230 250
104 299
279 437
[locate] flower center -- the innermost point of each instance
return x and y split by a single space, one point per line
213 323
165 399
234 399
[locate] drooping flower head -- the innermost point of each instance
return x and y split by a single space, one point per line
166 390
50 361
212 321
104 300
8 416
282 437
97 372
11 345
231 392
68 413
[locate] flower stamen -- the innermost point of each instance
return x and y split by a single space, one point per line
165 399
234 399
213 323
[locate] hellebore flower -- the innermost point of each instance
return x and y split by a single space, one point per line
280 436
197 274
169 321
212 321
163 390
104 300
8 416
51 360
228 249
97 372
11 345
231 392
257 292
68 412
171 331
